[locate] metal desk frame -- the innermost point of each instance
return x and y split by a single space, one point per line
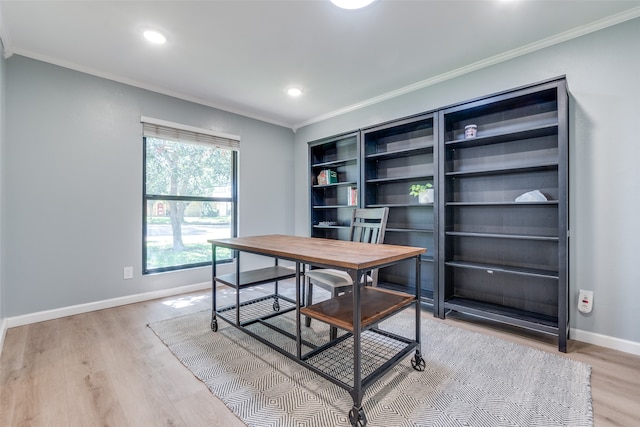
297 250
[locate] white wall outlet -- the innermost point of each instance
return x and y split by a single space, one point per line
128 273
585 301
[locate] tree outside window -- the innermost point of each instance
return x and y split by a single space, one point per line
190 197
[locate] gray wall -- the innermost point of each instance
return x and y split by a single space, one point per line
72 185
602 70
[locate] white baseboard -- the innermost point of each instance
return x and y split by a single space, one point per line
605 341
57 313
626 346
3 332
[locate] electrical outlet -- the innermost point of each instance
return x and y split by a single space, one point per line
128 273
585 301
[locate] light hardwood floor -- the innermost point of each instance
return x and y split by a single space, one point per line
107 368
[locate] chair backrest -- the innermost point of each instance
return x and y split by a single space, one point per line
369 225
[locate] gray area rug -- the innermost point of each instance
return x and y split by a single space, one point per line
470 379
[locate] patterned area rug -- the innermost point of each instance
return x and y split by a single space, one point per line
470 379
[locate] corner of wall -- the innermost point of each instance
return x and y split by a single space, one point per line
3 323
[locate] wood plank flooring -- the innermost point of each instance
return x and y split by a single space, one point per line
107 368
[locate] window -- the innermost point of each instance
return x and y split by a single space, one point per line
190 195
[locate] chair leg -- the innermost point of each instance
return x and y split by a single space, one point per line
307 320
333 331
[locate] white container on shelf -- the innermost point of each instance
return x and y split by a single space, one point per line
470 131
426 196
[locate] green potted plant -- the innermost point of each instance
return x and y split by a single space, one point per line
424 192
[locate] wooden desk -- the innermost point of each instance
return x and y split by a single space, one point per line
355 312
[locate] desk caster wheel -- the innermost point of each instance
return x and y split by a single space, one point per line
276 306
357 417
418 363
214 325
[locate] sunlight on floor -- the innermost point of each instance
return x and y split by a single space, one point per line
185 301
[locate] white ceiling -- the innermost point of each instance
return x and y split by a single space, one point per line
241 55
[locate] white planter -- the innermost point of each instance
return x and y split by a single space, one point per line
426 196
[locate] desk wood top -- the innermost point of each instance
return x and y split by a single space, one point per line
323 252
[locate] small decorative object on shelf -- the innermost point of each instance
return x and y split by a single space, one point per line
327 176
532 196
327 223
424 192
470 131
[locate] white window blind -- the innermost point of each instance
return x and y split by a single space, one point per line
162 129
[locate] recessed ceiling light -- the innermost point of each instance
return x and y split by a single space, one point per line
154 37
294 91
352 4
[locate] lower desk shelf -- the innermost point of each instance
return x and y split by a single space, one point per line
257 309
380 351
257 277
376 304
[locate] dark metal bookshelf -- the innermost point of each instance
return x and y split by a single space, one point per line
396 155
488 255
505 260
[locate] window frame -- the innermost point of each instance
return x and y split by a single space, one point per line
233 199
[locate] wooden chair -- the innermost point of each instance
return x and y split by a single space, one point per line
368 226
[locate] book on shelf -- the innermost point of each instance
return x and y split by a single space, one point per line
352 196
327 176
